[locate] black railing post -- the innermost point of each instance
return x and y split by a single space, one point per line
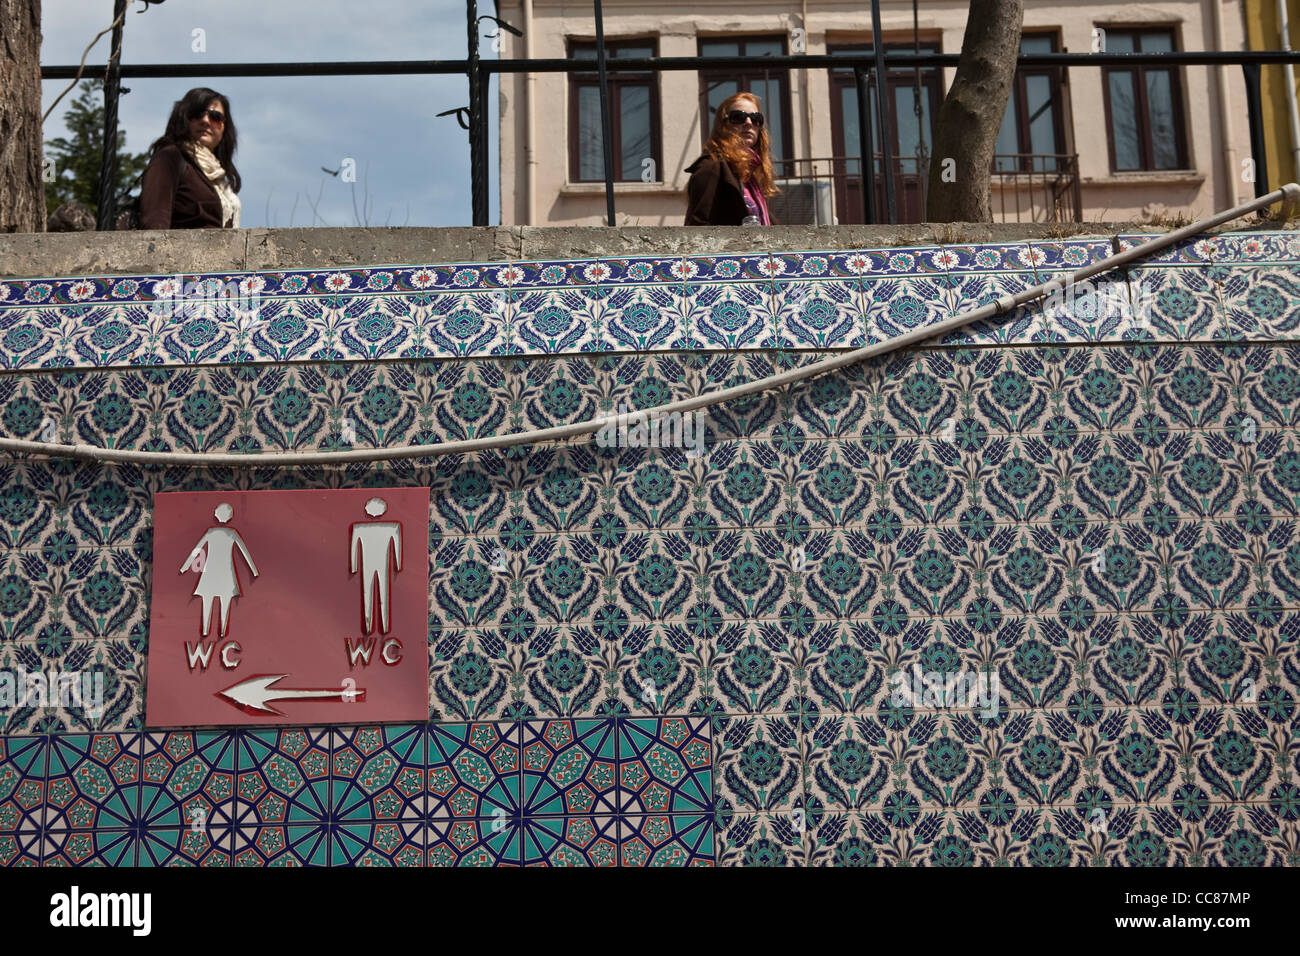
605 134
112 90
484 149
1255 114
1078 192
882 112
867 162
477 124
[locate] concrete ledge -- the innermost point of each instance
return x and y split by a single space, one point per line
275 249
151 252
30 255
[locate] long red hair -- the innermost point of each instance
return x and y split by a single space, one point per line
726 145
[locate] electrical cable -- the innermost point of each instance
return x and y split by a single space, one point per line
1290 193
82 65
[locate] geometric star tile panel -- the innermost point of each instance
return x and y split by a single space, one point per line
291 845
170 846
570 841
284 777
470 842
378 773
95 848
93 783
569 767
667 840
473 771
664 765
188 780
1028 595
22 799
377 844
269 798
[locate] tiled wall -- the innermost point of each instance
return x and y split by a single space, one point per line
564 792
689 660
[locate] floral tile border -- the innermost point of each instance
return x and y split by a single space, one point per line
472 310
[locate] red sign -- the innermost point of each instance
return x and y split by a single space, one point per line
289 607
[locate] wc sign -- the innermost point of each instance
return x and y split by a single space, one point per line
289 607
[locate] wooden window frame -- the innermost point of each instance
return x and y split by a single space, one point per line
780 74
1020 99
1146 148
931 82
617 81
841 78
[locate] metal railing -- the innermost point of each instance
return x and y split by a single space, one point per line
474 117
841 178
1049 186
1026 187
823 177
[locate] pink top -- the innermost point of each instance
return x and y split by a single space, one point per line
754 201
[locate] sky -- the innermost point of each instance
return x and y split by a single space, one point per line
411 166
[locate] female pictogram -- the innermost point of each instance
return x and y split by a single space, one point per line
216 567
376 546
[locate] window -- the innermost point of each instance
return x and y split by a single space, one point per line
771 86
910 134
633 116
1031 133
1144 108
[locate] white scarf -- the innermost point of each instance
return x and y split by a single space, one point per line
216 175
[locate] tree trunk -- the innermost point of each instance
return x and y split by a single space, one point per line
966 128
22 192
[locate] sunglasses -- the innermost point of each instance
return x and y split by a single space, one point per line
738 117
214 116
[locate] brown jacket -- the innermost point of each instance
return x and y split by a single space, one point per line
169 201
713 195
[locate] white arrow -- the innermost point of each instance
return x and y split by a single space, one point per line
254 694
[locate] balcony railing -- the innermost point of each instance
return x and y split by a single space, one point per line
1025 187
1038 187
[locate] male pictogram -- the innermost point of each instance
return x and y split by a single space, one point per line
375 546
216 567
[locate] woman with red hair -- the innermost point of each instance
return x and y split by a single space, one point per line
731 183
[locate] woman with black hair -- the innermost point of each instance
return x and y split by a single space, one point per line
191 180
